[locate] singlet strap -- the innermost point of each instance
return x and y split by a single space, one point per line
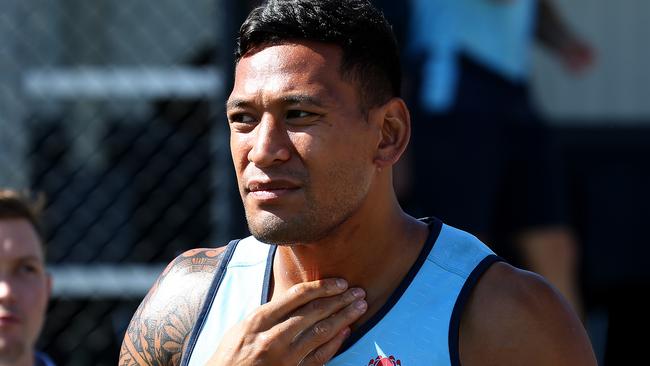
435 226
461 300
209 298
268 273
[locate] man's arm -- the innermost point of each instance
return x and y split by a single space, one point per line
160 328
554 33
515 317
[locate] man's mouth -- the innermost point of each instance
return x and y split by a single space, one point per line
272 189
7 319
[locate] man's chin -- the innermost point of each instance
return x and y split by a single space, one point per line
272 229
10 350
277 236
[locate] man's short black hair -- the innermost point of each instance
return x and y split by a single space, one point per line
369 49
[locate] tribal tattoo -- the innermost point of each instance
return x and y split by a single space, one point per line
161 327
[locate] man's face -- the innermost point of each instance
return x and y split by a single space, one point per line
302 148
24 289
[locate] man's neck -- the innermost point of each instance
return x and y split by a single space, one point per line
373 255
25 360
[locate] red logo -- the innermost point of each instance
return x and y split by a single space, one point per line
385 361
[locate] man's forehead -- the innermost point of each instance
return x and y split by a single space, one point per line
290 46
304 56
302 67
18 239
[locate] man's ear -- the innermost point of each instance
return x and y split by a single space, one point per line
395 127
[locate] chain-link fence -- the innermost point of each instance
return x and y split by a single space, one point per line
113 109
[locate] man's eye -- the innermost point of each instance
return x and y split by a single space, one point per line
29 268
241 118
294 113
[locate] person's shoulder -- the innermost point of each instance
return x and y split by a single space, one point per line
515 317
194 262
162 325
41 359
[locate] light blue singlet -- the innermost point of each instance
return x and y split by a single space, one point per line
417 326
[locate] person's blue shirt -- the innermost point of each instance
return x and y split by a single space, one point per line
433 35
498 35
41 359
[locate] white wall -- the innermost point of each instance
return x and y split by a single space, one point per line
617 89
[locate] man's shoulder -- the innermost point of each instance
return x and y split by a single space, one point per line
195 261
190 273
162 325
191 269
515 316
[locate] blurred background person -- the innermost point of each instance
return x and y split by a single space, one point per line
25 285
478 135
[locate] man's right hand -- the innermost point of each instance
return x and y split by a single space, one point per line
306 326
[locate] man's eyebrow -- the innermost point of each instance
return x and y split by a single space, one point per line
27 258
32 259
303 99
236 103
287 99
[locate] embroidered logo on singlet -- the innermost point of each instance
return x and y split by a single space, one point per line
385 361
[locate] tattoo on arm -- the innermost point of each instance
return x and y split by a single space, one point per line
161 327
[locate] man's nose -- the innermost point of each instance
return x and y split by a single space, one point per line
271 143
6 292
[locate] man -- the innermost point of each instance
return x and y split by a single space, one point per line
335 271
24 284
